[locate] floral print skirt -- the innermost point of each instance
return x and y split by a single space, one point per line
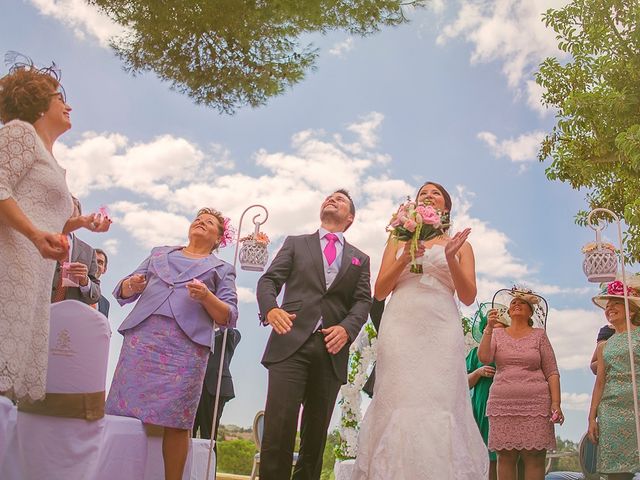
159 375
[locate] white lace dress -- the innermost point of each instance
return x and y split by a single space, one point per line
419 424
32 177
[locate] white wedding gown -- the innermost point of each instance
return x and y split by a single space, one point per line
419 424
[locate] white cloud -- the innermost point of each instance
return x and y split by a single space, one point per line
104 161
573 335
246 295
149 227
523 148
168 178
437 6
111 246
367 130
85 20
341 48
576 401
510 32
493 259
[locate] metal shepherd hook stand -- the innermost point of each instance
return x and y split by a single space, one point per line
598 229
257 223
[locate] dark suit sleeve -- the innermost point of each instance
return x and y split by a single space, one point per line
103 306
359 311
227 293
274 278
377 309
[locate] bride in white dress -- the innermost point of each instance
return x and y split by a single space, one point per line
420 424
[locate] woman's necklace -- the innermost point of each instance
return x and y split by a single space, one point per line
184 250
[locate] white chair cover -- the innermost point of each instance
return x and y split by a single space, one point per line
123 453
38 446
7 425
68 448
8 445
199 458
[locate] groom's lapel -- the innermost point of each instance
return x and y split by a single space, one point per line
313 242
347 254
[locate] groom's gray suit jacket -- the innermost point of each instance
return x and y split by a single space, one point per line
299 267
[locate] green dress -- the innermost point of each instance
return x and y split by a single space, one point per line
479 396
617 445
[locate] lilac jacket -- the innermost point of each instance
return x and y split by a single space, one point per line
219 276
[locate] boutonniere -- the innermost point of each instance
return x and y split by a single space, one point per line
355 261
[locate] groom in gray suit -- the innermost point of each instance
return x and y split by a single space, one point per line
326 301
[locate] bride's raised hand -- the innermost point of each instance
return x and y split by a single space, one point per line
455 243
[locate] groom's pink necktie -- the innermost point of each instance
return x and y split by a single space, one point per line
330 248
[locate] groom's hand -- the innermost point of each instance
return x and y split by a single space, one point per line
335 338
280 320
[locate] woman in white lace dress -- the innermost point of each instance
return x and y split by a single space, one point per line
420 423
35 204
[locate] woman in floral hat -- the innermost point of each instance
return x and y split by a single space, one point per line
611 416
524 400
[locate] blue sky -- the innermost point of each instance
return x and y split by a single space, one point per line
448 98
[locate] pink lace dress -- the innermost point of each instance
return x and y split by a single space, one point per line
519 400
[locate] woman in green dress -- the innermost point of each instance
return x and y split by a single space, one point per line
480 378
611 417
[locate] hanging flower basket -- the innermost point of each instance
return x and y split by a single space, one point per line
600 262
253 254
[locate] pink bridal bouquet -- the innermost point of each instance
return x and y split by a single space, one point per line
413 223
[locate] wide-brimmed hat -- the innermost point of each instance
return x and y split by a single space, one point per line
480 320
538 304
615 290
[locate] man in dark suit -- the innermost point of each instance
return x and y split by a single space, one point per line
326 301
103 262
204 414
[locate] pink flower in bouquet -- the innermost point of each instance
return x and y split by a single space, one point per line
429 215
395 221
402 215
410 225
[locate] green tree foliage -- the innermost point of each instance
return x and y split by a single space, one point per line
236 456
329 457
230 53
595 143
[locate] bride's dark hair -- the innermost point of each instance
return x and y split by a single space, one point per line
447 198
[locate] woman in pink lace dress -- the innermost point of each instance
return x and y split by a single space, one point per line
524 400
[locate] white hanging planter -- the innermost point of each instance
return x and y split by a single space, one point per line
253 255
600 261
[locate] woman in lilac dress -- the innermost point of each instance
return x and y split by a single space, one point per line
524 400
181 292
